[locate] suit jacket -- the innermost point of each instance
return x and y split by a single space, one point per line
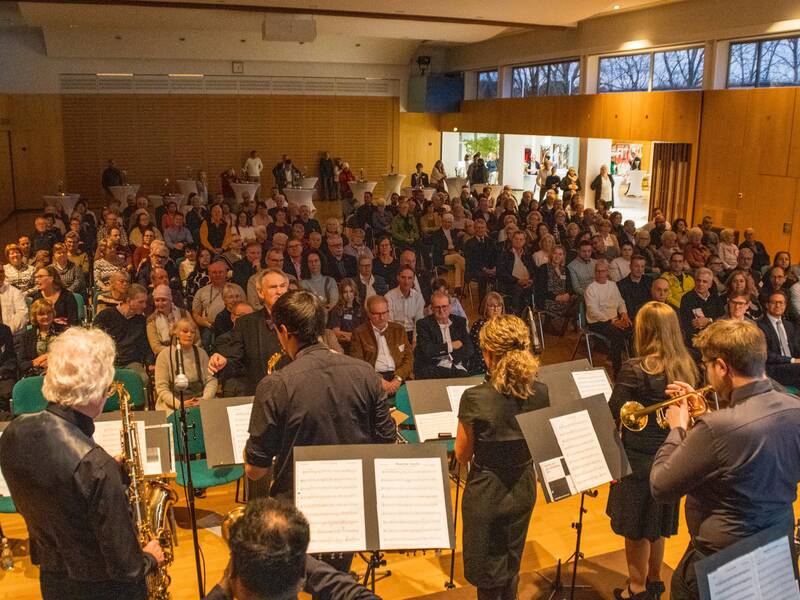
479 255
439 244
288 268
350 266
380 286
431 347
774 355
505 267
364 346
419 179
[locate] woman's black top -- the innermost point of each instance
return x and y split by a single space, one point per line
499 444
216 233
634 384
346 319
65 308
388 272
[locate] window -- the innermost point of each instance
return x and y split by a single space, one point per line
552 79
487 85
668 70
764 63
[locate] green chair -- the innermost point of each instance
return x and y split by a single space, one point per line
410 435
202 475
81 307
26 397
7 506
133 384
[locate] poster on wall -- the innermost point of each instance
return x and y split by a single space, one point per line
621 155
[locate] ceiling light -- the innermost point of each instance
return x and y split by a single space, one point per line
616 7
455 128
185 74
114 74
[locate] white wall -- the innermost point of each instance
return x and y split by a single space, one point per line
451 148
595 152
512 151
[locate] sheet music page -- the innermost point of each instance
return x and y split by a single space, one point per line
581 449
411 508
430 425
773 564
170 438
107 435
558 481
151 461
454 393
591 383
330 493
3 485
735 580
239 423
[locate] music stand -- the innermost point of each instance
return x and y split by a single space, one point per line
364 514
560 474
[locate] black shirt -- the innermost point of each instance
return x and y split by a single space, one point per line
318 399
499 443
129 335
636 294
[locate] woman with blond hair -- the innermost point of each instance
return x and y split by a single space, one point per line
727 249
635 514
501 487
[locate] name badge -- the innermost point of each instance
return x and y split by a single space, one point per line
347 317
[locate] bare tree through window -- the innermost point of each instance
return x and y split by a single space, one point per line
764 63
624 73
487 85
555 79
678 69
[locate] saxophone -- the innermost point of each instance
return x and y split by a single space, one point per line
150 500
273 362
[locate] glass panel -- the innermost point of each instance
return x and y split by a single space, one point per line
742 64
678 69
523 81
624 73
487 85
564 79
779 62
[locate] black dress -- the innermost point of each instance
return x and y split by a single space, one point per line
634 512
501 486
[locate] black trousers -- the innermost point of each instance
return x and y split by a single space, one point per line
684 579
616 339
56 586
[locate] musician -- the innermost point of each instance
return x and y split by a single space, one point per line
268 546
739 466
320 398
635 515
501 489
68 489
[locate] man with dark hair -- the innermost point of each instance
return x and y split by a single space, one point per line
738 466
320 398
268 546
635 287
581 269
783 344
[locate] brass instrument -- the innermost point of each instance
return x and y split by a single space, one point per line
273 361
634 416
231 518
150 500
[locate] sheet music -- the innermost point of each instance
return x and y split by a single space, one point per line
107 435
330 493
170 437
430 425
591 383
763 574
239 423
454 393
410 500
556 478
3 485
151 465
581 449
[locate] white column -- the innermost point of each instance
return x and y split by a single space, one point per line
513 153
594 152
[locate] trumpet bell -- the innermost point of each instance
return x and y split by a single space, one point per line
631 417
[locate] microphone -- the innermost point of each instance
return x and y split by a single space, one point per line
181 381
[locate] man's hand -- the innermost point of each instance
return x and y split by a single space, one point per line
678 388
216 363
390 387
678 415
40 361
191 402
457 345
153 548
700 322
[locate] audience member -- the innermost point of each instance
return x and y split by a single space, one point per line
679 282
515 273
635 288
582 268
700 306
13 310
406 305
49 287
783 343
443 347
367 283
607 314
163 318
35 341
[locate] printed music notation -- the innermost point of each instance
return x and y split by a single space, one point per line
410 502
454 393
581 450
239 423
430 425
592 383
330 493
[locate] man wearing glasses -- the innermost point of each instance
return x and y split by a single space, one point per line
738 466
444 348
783 345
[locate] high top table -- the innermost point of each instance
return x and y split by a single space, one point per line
308 183
359 188
66 201
300 197
240 188
121 192
454 185
392 183
156 200
187 186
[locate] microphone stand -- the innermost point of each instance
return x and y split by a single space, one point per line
181 383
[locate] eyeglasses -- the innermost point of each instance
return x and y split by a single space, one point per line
441 307
379 314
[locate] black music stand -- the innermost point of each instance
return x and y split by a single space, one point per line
548 459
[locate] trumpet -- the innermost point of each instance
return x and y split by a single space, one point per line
634 416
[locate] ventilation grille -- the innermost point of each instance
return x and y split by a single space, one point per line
220 84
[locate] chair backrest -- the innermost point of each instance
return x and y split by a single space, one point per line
195 423
26 396
81 307
133 384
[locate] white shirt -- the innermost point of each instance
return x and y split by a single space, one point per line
603 302
253 166
15 310
405 310
384 362
520 271
447 234
369 287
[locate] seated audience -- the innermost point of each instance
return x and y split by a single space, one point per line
13 308
105 264
635 288
322 286
49 287
621 265
554 291
369 284
774 281
18 273
515 273
33 344
215 233
347 314
740 282
202 385
385 264
406 305
727 250
163 318
659 291
745 262
339 264
738 303
607 314
443 347
441 285
446 250
177 236
699 307
249 265
295 262
75 253
422 278
72 276
491 306
198 278
208 302
480 259
383 344
679 281
783 342
232 296
582 268
760 255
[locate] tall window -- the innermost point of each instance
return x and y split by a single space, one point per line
764 63
668 70
551 79
487 85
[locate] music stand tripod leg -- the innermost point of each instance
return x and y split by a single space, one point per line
449 585
376 560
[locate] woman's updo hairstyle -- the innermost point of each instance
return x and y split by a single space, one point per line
507 340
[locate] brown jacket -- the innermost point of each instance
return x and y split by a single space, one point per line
364 347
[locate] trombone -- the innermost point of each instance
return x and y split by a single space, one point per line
634 416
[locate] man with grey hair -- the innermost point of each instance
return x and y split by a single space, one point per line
447 246
701 306
67 488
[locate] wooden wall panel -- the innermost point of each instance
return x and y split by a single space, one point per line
616 116
768 129
680 117
793 166
647 116
420 141
6 176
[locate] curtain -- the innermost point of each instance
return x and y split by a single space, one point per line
669 188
